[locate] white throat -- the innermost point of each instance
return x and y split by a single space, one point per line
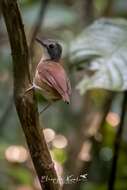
45 55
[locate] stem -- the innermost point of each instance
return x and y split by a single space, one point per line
87 11
36 28
117 145
39 20
26 105
108 9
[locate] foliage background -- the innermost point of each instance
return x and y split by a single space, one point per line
81 136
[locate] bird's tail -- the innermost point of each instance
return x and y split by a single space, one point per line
66 98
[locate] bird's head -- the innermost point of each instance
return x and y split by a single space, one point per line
52 48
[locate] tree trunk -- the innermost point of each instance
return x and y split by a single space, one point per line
25 104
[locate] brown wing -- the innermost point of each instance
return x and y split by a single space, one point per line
54 75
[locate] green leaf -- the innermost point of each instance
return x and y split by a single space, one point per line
103 45
22 175
59 155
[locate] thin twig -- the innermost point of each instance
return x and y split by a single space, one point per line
38 22
26 105
117 145
36 28
108 9
87 11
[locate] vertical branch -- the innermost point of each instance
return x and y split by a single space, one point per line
25 104
117 144
108 9
87 11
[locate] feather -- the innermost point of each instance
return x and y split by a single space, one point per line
53 74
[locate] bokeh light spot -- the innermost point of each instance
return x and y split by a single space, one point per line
16 153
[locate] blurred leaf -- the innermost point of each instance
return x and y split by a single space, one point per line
22 175
120 7
103 46
99 5
120 184
59 155
93 186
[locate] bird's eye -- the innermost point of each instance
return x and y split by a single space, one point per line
51 46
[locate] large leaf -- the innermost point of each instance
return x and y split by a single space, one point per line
103 45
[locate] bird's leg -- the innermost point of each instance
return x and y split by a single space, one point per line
45 108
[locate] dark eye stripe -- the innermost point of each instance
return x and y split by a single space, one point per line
51 46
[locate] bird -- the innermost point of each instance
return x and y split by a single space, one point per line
50 78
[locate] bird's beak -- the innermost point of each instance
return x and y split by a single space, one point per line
41 42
